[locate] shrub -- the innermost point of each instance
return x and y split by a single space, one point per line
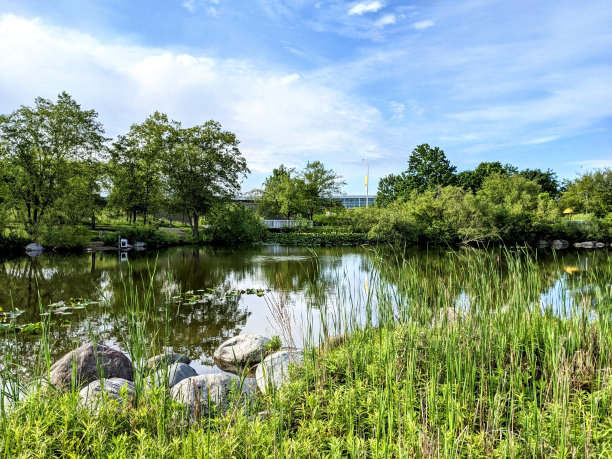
64 237
139 233
235 224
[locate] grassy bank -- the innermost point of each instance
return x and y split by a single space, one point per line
429 367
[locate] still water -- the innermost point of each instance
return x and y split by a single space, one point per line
235 291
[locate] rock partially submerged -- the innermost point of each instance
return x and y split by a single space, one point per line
165 360
196 392
34 249
273 372
241 353
118 389
91 362
174 374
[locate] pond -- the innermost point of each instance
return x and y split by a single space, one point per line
201 296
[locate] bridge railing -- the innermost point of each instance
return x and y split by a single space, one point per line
280 224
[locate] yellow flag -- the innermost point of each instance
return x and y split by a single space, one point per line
366 180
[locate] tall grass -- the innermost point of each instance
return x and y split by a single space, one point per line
484 355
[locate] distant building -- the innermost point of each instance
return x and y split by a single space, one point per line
351 201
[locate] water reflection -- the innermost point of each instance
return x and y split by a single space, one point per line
310 278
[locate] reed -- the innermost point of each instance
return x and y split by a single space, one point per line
484 355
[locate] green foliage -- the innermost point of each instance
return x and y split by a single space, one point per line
590 193
428 168
326 237
13 243
275 344
235 224
289 194
317 187
202 169
64 237
38 146
140 233
135 166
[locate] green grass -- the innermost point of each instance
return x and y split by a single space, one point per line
420 375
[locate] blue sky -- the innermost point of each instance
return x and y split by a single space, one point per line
529 83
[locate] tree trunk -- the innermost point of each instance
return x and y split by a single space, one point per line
93 220
194 222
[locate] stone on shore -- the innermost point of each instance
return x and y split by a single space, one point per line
240 352
119 389
273 372
175 374
195 392
92 362
165 360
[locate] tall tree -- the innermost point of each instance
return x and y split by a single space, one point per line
590 193
318 186
428 168
281 194
547 180
202 169
473 179
136 166
39 143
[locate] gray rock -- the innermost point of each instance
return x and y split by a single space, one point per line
91 394
175 373
240 352
34 247
543 243
165 360
273 372
195 392
93 361
140 245
600 245
558 244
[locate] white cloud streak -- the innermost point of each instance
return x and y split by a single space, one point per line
279 116
422 25
362 8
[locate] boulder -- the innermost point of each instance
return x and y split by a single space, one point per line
195 392
240 352
558 244
543 243
34 247
600 245
273 372
91 394
175 373
140 245
92 361
164 360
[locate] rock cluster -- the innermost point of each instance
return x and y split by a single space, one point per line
102 372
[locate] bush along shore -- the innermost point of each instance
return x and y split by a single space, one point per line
422 368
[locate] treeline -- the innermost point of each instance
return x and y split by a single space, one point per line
431 202
58 170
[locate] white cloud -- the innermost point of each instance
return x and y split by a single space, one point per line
361 8
189 5
278 116
385 20
422 25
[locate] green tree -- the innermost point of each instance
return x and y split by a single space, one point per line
203 168
473 179
547 180
39 143
136 166
590 193
318 185
281 194
428 168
